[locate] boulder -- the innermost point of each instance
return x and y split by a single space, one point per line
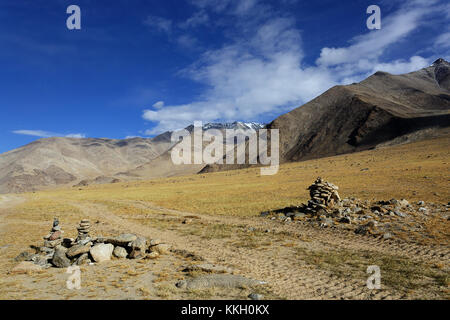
78 249
83 259
60 259
139 244
255 296
122 240
218 280
161 248
102 252
155 242
52 243
26 267
120 252
152 255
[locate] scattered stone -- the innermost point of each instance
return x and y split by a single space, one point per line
120 252
400 214
101 252
187 221
52 243
78 249
155 242
122 240
299 215
161 248
218 280
139 244
255 296
83 259
345 220
26 267
24 256
60 259
387 236
208 267
42 261
152 255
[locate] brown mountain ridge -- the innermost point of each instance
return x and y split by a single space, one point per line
384 109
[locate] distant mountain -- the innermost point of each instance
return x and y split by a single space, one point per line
57 161
234 125
60 161
383 109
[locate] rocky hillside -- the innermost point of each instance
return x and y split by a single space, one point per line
361 116
59 161
384 109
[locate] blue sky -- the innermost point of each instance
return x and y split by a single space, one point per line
138 68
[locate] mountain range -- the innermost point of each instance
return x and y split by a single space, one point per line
383 109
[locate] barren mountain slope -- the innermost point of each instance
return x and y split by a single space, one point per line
361 116
57 161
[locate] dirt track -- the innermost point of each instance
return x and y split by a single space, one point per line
297 261
279 264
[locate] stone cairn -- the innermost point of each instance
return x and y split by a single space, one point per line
64 252
323 195
54 238
83 231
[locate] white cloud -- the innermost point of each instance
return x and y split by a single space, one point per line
159 23
158 105
263 73
372 45
76 135
197 19
47 134
35 133
401 66
443 40
187 41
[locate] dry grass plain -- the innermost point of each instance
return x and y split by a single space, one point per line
298 261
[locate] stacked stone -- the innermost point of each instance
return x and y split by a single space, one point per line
62 253
323 195
54 238
83 231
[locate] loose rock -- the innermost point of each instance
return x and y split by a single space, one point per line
101 252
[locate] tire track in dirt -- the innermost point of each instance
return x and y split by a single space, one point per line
326 238
282 267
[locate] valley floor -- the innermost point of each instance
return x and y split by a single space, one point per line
222 225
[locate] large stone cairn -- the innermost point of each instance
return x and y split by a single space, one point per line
324 195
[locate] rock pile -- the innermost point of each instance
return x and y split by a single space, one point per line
323 194
378 218
62 253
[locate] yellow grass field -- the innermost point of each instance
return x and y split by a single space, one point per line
295 259
418 171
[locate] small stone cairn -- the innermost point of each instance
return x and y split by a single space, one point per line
324 195
83 231
84 250
54 238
